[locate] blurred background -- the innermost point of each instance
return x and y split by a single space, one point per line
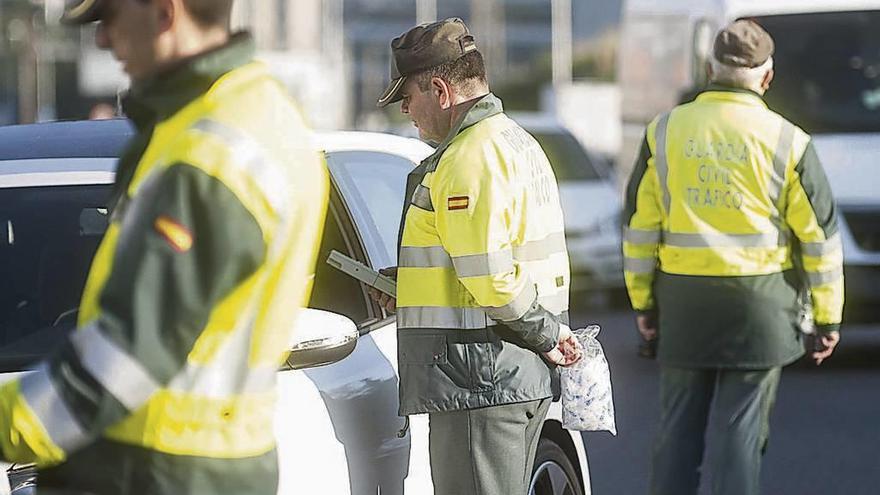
326 51
584 77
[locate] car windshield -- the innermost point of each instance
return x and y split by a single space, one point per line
48 236
373 185
827 76
567 157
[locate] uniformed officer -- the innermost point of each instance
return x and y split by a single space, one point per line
725 198
482 294
168 384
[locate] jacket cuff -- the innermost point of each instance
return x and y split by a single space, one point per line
553 340
538 328
825 329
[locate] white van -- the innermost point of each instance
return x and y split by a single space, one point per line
827 81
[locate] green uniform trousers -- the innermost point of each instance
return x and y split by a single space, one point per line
485 451
739 401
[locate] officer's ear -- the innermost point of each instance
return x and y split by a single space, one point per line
768 78
442 92
166 11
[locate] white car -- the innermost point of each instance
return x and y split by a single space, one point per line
590 202
336 423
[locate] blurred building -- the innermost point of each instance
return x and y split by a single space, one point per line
56 72
515 36
333 55
510 33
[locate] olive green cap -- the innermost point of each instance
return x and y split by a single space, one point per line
81 11
743 44
422 47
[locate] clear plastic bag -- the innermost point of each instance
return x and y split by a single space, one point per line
587 401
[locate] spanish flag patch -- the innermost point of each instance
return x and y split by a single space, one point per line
178 237
457 203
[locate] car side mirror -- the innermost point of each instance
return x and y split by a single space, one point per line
320 338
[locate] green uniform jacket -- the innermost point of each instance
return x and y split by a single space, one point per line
725 200
464 260
168 384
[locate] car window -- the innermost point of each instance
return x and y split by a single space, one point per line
48 237
334 290
827 68
373 185
568 158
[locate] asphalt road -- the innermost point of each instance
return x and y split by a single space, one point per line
824 433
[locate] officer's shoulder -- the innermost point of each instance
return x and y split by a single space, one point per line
468 157
799 132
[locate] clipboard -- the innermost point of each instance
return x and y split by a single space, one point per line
362 272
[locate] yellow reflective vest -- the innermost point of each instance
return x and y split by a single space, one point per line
727 192
482 247
188 309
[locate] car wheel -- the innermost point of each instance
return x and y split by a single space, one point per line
554 473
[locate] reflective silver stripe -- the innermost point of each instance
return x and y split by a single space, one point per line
638 236
250 156
780 162
821 278
117 371
216 381
45 401
481 265
660 159
515 308
424 257
540 249
822 248
440 317
422 198
639 265
723 240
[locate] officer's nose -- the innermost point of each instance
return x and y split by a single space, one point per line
404 107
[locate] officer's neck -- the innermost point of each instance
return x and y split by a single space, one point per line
182 44
462 105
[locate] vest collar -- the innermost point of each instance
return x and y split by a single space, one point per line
485 107
162 95
738 95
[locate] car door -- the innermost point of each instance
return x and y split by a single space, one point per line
337 425
373 185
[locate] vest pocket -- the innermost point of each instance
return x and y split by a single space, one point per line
471 366
423 349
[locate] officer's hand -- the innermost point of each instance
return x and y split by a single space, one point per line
647 327
387 302
568 350
829 342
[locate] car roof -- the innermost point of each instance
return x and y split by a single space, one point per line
108 138
748 8
73 139
334 141
733 9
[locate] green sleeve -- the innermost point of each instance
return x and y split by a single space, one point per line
159 297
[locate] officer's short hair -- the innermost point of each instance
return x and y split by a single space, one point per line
738 77
464 73
210 13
